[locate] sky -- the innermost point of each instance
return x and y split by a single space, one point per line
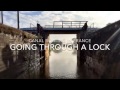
99 18
66 38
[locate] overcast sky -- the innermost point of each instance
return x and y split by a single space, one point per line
66 38
99 18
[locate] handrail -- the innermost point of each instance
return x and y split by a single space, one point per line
70 21
32 27
65 26
69 24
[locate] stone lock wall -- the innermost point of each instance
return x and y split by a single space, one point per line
17 64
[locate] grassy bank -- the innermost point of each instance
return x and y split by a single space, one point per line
13 31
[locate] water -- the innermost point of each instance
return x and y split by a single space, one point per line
63 65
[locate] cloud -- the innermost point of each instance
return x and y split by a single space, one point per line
99 18
9 18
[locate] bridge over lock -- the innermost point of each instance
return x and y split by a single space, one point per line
62 27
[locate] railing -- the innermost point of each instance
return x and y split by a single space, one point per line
67 24
34 27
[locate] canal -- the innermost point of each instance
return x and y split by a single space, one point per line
63 64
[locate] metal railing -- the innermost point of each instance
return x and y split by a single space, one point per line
32 26
67 24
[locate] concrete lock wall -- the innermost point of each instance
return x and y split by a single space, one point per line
17 64
104 64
